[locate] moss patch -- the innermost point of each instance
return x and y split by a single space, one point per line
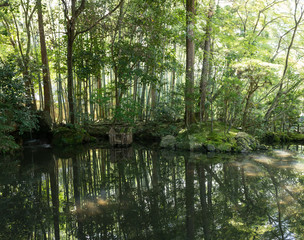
282 137
199 137
156 130
65 136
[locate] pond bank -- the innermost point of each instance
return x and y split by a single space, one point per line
175 136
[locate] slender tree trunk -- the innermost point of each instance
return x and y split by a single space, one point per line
92 108
246 110
47 87
142 101
173 81
135 89
86 111
205 68
70 73
105 112
153 98
41 104
99 111
78 102
189 88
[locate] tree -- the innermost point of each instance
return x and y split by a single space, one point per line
281 92
190 58
45 62
206 61
72 17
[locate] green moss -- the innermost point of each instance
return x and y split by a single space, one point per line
200 136
282 137
297 137
224 147
65 136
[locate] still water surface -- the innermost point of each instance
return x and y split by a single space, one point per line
139 193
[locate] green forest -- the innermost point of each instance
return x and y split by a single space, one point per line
205 64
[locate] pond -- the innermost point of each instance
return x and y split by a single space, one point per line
140 193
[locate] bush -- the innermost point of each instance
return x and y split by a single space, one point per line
15 116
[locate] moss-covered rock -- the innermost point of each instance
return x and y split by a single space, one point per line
98 130
198 138
210 148
224 147
247 143
64 136
155 131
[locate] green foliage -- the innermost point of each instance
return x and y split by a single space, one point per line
127 111
102 96
7 142
165 113
14 114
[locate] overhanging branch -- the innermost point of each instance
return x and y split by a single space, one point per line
99 20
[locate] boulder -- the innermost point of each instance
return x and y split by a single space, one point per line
210 148
246 142
168 141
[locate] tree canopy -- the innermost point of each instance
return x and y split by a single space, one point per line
84 61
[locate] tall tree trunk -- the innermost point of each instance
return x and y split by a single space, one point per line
189 88
47 87
86 111
153 99
173 82
246 110
206 60
41 103
71 34
99 111
142 101
70 72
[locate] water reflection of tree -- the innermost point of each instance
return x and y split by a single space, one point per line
144 194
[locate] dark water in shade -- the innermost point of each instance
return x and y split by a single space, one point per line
138 193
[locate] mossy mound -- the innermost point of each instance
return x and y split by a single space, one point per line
247 143
155 131
282 137
65 136
98 130
200 138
